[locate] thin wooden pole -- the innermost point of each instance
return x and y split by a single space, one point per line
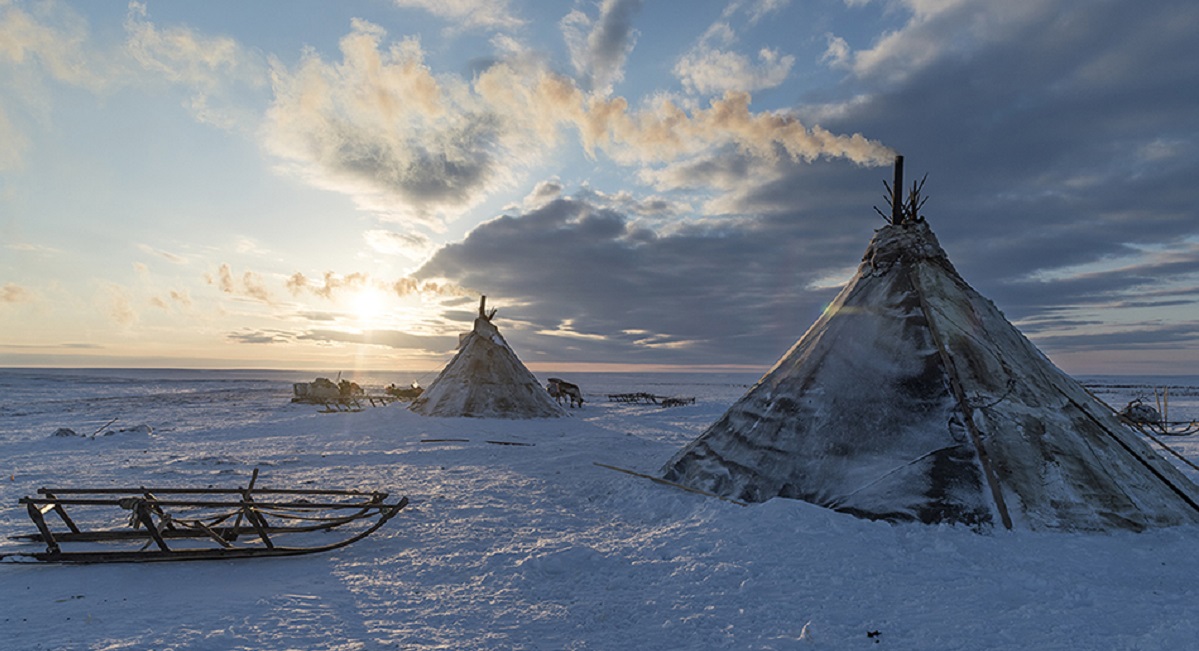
245 494
967 412
667 482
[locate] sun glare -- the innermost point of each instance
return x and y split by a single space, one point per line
369 306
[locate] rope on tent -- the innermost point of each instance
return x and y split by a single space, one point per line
1011 386
421 379
1168 448
837 503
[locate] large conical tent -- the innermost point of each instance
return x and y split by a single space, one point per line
913 399
485 379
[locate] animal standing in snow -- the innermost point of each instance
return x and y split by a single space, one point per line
563 390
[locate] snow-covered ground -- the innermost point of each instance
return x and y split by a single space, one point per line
535 546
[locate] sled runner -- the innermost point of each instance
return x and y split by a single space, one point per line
182 524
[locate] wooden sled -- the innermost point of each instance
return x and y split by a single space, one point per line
214 523
1153 421
649 398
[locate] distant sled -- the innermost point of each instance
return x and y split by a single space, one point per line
346 395
1152 421
185 524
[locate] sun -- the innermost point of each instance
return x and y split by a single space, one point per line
369 305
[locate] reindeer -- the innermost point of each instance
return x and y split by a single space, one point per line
561 389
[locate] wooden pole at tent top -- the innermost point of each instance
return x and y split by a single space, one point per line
897 193
482 306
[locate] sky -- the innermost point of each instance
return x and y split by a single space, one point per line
633 185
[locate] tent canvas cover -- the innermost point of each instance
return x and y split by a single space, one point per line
912 398
485 379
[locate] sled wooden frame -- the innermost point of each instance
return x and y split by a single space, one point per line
649 398
1164 428
235 519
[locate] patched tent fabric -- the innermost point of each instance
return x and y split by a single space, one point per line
485 379
912 398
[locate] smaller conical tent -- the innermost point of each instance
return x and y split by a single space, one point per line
485 379
913 399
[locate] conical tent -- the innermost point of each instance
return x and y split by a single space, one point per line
485 379
912 398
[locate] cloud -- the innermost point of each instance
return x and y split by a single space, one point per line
838 52
297 283
600 46
225 279
119 306
251 286
1023 145
468 14
261 337
40 249
543 192
711 67
333 285
210 67
81 346
320 316
1123 289
760 9
923 40
412 146
709 71
413 246
56 39
53 42
254 288
48 44
578 281
248 245
1137 336
409 286
16 144
382 128
431 344
165 255
181 297
14 293
649 208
